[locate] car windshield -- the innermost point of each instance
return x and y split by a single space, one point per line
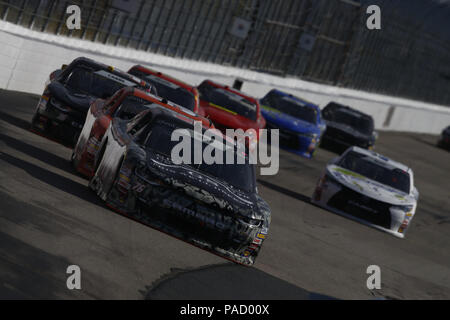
357 121
168 90
376 170
292 107
130 107
229 101
237 175
99 84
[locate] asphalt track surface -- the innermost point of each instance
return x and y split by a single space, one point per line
49 220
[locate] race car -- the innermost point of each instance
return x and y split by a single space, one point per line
213 206
168 87
299 121
370 188
62 108
229 108
444 139
125 104
347 127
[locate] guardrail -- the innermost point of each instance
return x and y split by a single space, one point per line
27 57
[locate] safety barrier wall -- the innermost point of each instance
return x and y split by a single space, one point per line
27 57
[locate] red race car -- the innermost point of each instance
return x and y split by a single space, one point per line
170 88
125 104
229 108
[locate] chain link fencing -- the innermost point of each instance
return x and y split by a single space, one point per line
324 41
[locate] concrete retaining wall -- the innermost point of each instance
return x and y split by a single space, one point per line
27 57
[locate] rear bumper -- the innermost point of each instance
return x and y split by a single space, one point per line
56 125
306 152
331 140
297 143
444 142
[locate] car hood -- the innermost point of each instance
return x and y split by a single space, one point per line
369 187
347 129
203 188
79 102
285 121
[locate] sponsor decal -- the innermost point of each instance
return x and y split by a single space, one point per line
115 78
270 109
222 108
348 172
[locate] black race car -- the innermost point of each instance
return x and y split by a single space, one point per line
347 127
62 109
444 140
213 206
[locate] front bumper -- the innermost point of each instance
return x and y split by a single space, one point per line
360 220
187 220
356 206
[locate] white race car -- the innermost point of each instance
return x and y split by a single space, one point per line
370 188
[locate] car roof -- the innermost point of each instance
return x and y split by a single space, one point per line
113 70
303 101
151 98
230 89
348 109
181 120
380 157
164 76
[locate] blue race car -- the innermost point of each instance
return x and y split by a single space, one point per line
299 121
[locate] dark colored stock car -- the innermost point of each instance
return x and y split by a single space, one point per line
444 139
215 207
62 109
347 127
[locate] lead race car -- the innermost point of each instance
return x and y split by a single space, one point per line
213 206
62 109
370 188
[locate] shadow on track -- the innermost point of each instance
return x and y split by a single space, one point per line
287 192
28 272
424 140
53 179
226 282
38 153
335 148
15 121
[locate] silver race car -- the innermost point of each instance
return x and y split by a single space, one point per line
370 188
